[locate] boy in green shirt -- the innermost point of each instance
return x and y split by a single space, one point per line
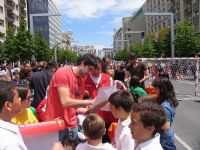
135 89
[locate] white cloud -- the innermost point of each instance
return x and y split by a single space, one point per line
117 21
124 5
84 9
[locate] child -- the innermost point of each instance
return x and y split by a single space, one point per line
167 99
120 105
26 116
146 120
135 88
94 129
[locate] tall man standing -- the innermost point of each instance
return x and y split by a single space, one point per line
137 68
66 91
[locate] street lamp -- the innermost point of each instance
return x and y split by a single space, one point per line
172 28
55 49
28 16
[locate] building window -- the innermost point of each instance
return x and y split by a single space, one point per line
17 7
1 22
1 9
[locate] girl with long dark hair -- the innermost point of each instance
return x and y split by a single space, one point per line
167 100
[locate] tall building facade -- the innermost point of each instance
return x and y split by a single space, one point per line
118 44
50 26
11 11
155 23
184 10
67 38
84 49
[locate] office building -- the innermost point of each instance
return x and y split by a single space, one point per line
11 11
84 49
50 23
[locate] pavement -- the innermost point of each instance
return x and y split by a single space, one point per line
187 121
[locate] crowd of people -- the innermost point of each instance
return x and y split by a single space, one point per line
139 117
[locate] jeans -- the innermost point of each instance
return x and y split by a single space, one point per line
168 144
69 135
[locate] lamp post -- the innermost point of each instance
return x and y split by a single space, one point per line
172 27
28 16
55 48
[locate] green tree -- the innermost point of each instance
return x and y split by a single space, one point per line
24 42
122 55
146 50
42 51
66 56
187 40
10 52
164 43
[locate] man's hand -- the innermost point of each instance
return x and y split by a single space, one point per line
97 107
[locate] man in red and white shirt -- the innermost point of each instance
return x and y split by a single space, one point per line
66 91
95 80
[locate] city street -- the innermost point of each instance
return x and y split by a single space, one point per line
187 123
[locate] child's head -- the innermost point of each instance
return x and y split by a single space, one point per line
135 81
146 98
146 120
94 127
164 75
25 94
121 101
165 90
10 102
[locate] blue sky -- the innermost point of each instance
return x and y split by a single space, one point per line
93 21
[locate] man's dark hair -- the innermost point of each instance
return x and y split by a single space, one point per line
132 57
122 98
98 60
94 127
23 91
104 58
88 60
6 92
151 114
50 65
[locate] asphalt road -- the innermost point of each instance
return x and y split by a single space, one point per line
187 121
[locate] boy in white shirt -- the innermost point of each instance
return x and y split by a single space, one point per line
146 120
94 129
121 103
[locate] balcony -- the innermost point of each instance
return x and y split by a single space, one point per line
22 13
11 17
22 3
10 5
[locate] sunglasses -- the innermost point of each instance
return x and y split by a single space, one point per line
29 97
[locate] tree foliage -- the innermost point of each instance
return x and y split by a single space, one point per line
146 50
162 42
22 45
187 40
122 55
65 56
24 42
42 51
10 52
